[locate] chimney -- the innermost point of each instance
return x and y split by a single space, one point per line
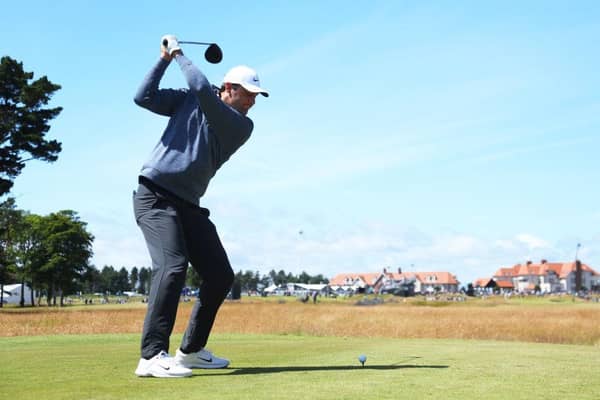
577 275
399 270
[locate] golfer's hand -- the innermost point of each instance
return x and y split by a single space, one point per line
169 47
164 54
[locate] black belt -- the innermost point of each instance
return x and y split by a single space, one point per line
178 201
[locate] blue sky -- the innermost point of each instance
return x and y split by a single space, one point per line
429 136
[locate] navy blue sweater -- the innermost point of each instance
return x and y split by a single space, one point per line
202 133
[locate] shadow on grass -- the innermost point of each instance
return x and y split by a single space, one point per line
274 370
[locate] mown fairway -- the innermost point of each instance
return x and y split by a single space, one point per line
540 349
292 367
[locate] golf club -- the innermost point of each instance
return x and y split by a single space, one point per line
213 53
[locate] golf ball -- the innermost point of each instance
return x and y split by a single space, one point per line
362 358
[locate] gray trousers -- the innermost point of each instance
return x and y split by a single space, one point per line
178 233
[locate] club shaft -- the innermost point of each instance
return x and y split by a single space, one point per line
188 42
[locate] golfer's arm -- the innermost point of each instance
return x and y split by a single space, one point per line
197 82
150 97
218 113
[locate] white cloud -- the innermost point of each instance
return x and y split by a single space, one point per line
531 241
459 245
505 244
125 252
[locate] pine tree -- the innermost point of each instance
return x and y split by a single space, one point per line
24 121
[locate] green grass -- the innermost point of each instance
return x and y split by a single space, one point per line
292 367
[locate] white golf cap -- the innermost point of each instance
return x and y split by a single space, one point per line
245 77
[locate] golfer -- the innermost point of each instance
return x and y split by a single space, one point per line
206 126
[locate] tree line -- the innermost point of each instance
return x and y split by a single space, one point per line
110 281
48 253
51 255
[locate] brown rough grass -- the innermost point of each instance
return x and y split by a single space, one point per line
577 324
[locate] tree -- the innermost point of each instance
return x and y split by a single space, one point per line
24 121
248 280
192 278
145 278
69 246
265 281
281 278
108 279
273 277
304 277
122 284
34 253
91 280
30 252
9 219
22 245
133 279
317 279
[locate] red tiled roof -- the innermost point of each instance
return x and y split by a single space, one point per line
442 278
504 284
561 269
395 276
505 272
343 279
482 282
370 278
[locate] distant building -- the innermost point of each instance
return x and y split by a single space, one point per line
342 284
491 285
394 282
484 283
548 277
427 282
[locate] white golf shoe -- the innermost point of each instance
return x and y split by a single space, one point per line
161 365
201 359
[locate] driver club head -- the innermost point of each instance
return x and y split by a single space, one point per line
213 54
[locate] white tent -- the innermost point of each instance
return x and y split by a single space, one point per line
271 289
12 294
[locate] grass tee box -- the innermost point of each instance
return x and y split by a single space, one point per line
292 367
